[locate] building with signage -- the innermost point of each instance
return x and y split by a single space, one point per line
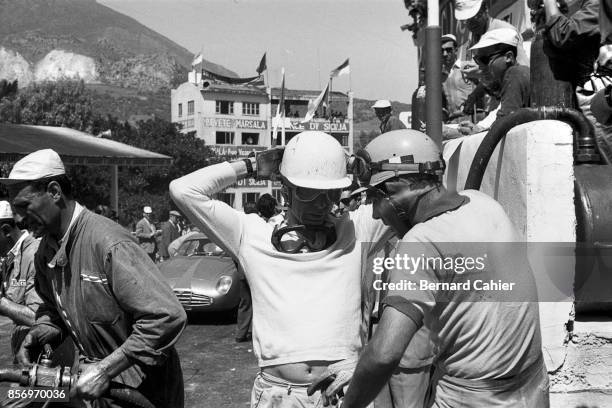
236 120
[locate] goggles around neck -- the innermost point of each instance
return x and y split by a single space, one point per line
324 237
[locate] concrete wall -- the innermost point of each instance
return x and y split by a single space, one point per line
531 175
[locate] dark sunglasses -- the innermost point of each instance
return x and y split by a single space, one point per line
485 60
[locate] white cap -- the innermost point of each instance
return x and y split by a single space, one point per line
447 38
382 103
507 36
466 9
147 210
6 213
35 166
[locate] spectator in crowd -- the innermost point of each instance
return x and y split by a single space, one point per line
496 57
170 232
605 26
384 113
475 14
98 286
456 88
572 44
147 233
18 298
266 207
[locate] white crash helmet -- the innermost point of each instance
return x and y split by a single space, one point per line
395 153
314 159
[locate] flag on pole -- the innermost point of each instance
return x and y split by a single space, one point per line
312 108
280 109
197 60
262 65
344 68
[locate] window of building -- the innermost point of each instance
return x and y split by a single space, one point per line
249 198
224 107
227 198
250 138
225 137
180 110
190 107
249 108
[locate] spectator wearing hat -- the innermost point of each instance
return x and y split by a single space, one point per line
388 122
475 13
456 88
169 232
146 233
495 55
98 286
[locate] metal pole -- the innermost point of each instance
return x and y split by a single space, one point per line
114 196
433 73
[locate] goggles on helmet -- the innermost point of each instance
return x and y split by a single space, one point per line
306 195
361 166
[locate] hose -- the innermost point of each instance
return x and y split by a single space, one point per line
129 395
14 375
585 148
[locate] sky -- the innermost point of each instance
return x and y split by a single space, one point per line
308 38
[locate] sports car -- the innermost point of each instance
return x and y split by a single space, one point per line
202 276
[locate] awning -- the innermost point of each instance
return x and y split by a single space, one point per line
73 146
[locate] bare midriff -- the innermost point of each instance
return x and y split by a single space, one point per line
298 373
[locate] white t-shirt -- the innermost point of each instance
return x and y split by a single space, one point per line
305 306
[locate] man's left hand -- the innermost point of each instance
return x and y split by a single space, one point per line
93 382
332 382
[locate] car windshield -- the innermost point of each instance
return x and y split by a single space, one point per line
199 247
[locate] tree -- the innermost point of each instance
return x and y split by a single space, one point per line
69 104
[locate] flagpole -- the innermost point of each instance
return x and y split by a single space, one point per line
329 98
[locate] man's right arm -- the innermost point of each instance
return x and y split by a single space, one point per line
193 195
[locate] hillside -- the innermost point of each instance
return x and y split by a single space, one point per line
51 38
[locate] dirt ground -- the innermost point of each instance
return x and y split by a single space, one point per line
218 372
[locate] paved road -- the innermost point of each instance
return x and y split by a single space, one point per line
218 373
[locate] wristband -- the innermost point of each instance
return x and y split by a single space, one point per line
249 166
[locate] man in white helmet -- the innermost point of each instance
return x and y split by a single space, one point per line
18 298
304 273
487 341
384 113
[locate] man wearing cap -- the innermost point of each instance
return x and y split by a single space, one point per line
147 234
455 87
388 122
98 286
169 232
18 298
475 13
495 54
